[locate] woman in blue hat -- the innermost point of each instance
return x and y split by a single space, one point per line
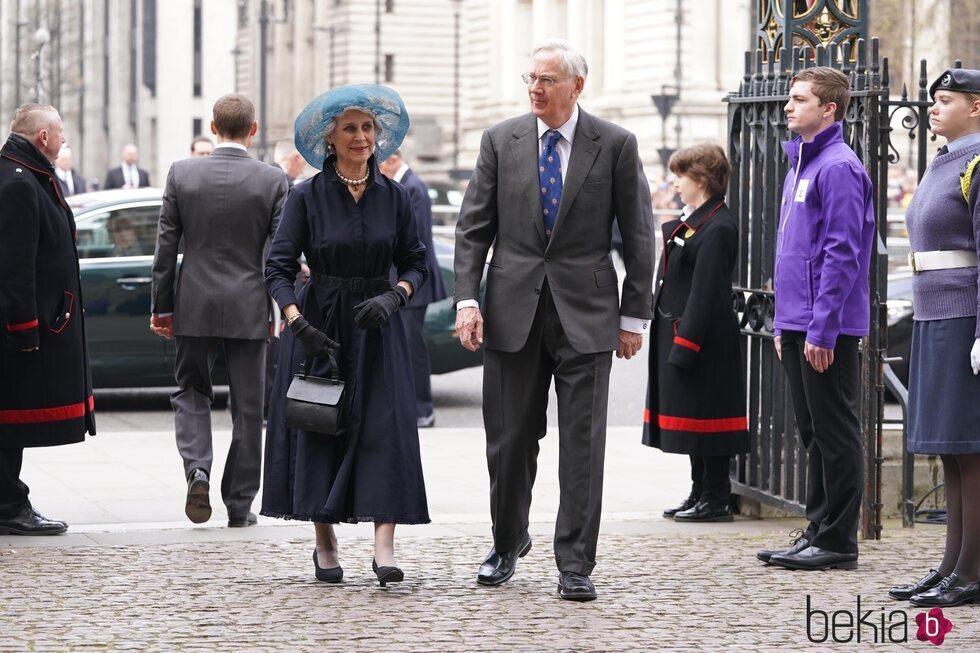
353 225
943 221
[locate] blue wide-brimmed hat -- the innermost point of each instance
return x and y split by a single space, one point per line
385 103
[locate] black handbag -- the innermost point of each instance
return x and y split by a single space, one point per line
317 404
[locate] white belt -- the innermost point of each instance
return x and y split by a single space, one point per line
942 260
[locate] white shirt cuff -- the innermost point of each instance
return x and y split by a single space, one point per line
162 314
633 324
467 303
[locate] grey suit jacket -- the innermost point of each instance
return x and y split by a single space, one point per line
604 180
226 207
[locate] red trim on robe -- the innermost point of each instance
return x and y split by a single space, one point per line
686 343
56 414
22 326
720 425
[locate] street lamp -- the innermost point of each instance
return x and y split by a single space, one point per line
40 39
264 20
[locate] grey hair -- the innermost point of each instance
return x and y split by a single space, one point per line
332 125
573 62
29 119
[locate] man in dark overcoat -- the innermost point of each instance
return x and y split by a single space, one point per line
413 315
45 385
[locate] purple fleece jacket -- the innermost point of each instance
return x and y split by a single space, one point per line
823 249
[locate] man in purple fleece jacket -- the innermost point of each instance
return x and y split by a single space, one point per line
823 252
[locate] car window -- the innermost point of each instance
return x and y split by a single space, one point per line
120 232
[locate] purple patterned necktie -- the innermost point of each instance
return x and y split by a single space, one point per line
549 175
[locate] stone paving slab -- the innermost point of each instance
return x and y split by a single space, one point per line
674 591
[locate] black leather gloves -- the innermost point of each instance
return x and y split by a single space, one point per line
315 343
372 313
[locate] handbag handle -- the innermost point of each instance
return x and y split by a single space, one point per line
334 370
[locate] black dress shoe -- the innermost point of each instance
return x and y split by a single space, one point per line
387 574
575 587
706 511
497 568
30 522
927 582
686 504
198 506
798 542
951 591
241 522
814 558
331 575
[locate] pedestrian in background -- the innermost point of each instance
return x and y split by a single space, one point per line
823 254
353 225
413 315
201 146
544 194
127 174
943 222
696 393
290 160
45 383
224 208
70 181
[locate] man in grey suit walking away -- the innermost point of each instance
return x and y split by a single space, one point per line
226 208
546 189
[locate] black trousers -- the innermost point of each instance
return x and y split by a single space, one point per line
13 491
709 478
515 402
827 408
413 321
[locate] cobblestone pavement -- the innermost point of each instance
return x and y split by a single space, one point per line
667 592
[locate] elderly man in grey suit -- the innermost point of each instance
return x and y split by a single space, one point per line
226 207
546 189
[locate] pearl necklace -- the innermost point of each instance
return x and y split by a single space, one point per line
355 184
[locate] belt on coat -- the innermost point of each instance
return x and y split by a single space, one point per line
351 284
942 260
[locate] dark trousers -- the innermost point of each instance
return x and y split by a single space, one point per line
413 320
192 413
13 491
709 478
515 402
827 408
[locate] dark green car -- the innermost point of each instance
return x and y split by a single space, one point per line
116 237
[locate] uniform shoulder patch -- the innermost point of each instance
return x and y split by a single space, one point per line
966 177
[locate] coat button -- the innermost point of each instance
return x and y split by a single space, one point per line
537 291
661 282
67 315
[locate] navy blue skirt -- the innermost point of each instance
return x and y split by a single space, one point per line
944 393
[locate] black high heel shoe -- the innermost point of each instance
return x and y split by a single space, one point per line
332 575
387 574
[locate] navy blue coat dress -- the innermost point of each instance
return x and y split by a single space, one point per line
374 472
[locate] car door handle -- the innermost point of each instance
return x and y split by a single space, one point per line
134 281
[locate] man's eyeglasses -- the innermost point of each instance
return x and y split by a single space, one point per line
544 81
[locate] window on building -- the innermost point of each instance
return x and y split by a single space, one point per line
389 6
389 68
198 128
198 64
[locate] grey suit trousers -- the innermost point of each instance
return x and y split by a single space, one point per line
192 413
515 403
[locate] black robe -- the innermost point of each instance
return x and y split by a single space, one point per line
696 393
45 395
